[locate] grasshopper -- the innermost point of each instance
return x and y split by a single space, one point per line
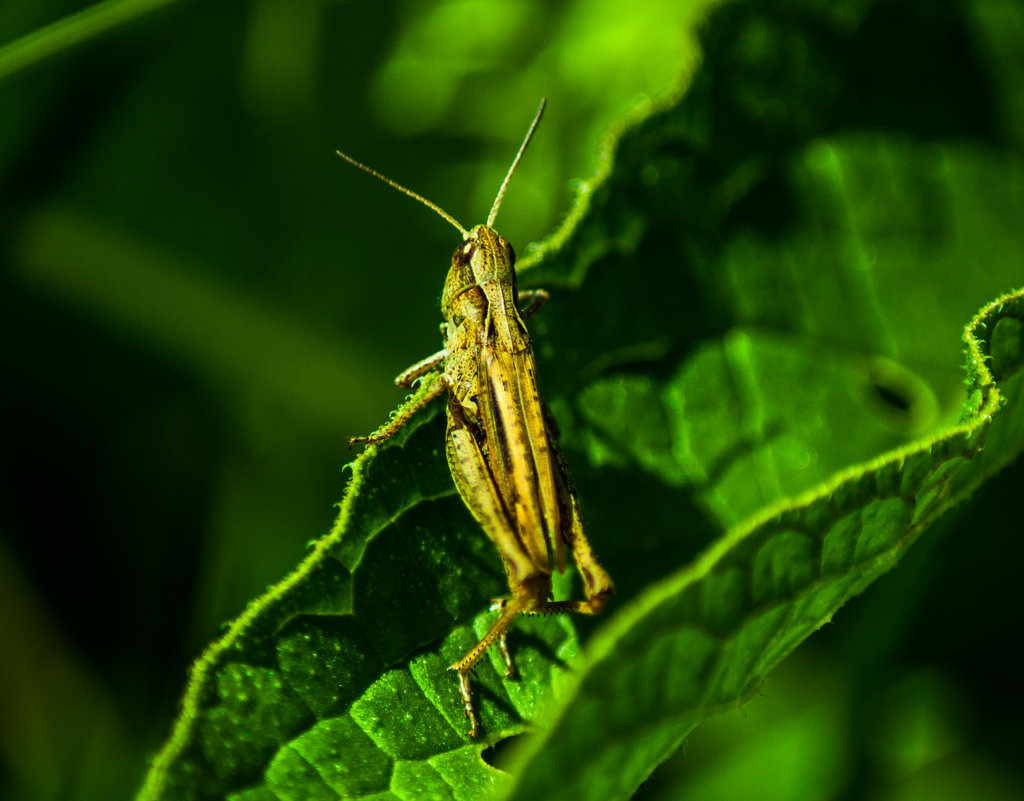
503 455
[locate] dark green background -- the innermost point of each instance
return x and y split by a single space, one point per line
200 302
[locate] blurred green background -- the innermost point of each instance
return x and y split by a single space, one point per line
200 302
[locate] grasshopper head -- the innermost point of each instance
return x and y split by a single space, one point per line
482 257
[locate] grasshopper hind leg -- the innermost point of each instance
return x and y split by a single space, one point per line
529 598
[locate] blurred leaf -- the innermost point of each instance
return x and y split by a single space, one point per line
754 337
72 31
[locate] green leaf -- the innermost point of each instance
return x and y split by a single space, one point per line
754 353
708 635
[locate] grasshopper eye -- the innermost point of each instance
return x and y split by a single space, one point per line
464 253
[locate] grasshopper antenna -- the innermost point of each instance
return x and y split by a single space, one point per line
410 193
515 163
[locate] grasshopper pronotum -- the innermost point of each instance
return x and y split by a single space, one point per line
505 462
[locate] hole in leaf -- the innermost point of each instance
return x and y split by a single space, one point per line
497 755
893 398
901 398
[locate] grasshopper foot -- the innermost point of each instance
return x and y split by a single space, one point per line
467 702
510 669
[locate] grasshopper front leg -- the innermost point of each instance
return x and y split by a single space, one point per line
530 302
406 379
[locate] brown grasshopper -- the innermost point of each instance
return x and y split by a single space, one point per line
501 451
